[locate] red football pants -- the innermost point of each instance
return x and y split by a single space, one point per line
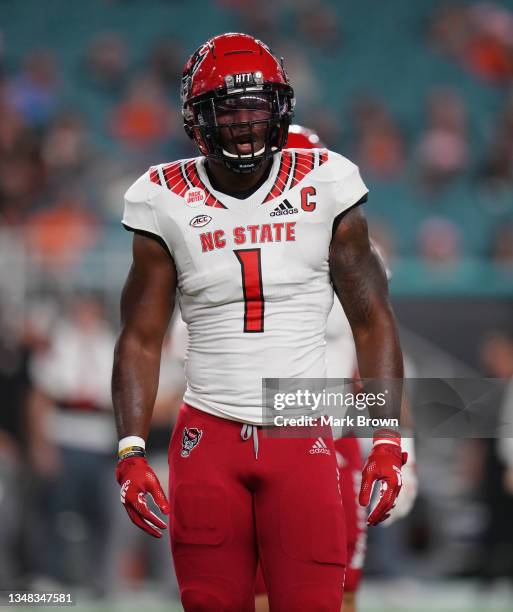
235 500
350 466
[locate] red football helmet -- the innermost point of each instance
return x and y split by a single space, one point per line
235 95
303 138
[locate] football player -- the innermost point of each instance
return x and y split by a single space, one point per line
342 364
252 240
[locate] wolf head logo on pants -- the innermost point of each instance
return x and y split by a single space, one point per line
190 439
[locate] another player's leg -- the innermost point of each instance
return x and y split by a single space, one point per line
261 599
211 522
349 604
300 525
350 465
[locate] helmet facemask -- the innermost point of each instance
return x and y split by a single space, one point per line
242 129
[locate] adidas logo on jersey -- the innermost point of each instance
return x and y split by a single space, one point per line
319 448
285 208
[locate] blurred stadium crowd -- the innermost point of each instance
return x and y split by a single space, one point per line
430 121
420 97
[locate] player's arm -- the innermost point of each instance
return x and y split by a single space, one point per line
360 282
146 306
361 285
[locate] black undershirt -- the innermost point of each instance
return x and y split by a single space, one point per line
146 234
340 216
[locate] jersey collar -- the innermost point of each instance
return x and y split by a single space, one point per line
257 197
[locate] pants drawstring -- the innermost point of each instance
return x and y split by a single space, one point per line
246 432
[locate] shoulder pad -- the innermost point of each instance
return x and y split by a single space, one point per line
336 167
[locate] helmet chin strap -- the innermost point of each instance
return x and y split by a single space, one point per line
247 156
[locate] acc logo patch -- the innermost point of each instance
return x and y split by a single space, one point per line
194 197
200 221
190 439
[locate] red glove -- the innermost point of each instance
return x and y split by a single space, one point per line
384 464
136 479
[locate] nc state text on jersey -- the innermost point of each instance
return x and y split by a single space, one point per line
250 234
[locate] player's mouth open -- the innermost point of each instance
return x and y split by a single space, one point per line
244 146
246 150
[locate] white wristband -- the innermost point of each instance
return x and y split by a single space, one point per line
385 441
131 441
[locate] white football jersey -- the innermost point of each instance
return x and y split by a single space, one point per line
253 275
340 348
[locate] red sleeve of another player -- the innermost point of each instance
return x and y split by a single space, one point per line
350 468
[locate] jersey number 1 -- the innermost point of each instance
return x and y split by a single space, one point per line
251 268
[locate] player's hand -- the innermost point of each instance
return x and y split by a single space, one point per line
384 465
137 479
406 500
410 487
